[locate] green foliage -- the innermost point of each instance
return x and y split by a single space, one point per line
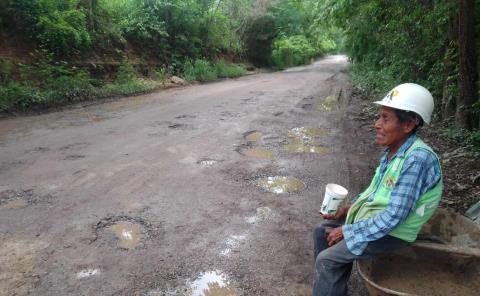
125 73
292 51
228 71
200 70
57 25
162 75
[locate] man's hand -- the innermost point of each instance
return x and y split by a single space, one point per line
341 213
335 236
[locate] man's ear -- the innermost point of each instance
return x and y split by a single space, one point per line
409 126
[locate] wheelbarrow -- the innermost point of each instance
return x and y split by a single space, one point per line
445 260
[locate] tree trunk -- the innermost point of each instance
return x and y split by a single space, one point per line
449 65
467 65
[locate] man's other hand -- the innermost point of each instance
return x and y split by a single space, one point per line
335 236
340 214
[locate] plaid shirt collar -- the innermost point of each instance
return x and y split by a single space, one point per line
401 151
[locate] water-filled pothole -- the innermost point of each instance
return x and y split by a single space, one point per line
306 148
307 132
15 204
124 232
257 153
129 235
328 104
262 214
253 136
212 283
17 199
281 184
208 162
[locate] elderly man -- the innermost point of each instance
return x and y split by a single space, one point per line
402 196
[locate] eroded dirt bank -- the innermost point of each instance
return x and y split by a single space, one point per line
204 190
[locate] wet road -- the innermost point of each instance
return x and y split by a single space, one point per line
203 190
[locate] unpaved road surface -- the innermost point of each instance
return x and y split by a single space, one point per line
160 194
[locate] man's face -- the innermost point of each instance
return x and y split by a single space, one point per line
390 132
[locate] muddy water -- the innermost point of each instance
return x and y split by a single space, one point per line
426 277
255 137
263 213
307 132
281 184
328 104
16 204
257 153
306 148
129 234
212 283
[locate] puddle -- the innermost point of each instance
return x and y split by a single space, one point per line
263 213
86 273
307 133
306 148
328 104
281 184
208 162
254 136
257 153
232 242
17 199
16 204
129 234
212 283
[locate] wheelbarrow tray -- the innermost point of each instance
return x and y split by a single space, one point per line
446 263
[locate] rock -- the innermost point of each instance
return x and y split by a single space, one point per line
177 80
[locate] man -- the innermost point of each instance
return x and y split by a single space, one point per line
402 196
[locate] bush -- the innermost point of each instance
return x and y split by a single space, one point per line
200 70
292 51
228 71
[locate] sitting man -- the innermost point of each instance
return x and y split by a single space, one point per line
402 196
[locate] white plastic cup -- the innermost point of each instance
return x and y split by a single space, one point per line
334 196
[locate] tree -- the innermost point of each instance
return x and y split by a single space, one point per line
468 76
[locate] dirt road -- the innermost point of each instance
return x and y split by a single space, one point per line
181 192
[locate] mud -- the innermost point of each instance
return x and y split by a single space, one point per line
426 277
280 184
212 283
257 153
150 161
129 235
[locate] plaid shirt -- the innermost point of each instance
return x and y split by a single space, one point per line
420 172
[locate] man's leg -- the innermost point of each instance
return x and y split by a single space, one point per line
334 264
320 235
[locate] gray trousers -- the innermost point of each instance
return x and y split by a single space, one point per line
333 265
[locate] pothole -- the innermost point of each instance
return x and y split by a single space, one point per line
16 204
17 199
328 104
208 162
281 184
307 132
262 214
86 273
124 232
128 234
74 157
253 136
306 148
232 243
212 283
257 153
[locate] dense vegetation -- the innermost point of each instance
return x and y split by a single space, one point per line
95 48
428 42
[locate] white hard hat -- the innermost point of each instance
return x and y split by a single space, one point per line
410 97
